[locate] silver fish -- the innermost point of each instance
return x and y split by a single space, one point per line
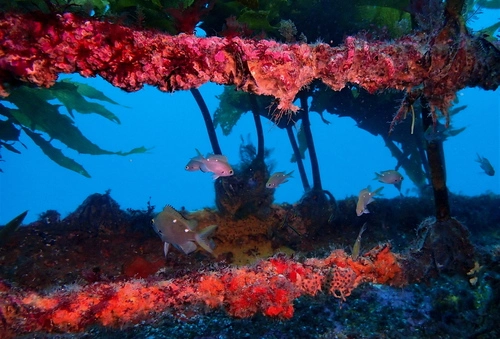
218 165
485 165
174 229
278 178
357 244
365 197
390 177
214 163
194 165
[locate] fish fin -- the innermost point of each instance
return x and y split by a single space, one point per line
199 153
187 247
365 211
363 228
217 157
192 224
215 176
204 168
398 186
202 238
173 212
377 191
166 246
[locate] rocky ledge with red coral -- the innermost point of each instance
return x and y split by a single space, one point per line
100 271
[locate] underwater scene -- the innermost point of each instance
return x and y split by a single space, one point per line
249 169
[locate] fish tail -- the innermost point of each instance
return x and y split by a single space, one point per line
377 176
290 174
377 191
363 228
202 238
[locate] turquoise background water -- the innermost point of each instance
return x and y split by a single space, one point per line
172 126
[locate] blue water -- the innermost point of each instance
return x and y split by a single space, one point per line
172 127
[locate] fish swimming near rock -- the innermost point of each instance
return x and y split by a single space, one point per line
390 177
174 229
356 248
214 163
278 178
485 165
365 197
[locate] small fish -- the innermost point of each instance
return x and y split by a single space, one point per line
365 197
214 163
194 165
174 229
390 177
485 165
357 244
218 165
278 178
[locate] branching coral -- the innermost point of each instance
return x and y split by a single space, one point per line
36 48
269 287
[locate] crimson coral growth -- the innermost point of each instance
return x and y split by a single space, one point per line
36 48
269 287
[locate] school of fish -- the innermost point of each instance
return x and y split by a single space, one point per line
174 229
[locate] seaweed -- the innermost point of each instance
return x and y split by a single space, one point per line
33 111
11 227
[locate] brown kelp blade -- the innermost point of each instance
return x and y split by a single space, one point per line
11 226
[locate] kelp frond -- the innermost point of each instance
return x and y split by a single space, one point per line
36 115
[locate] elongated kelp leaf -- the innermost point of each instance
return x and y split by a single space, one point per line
67 93
301 137
11 227
36 113
90 92
232 105
39 115
55 154
8 132
9 147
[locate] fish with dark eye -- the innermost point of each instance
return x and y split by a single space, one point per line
365 197
174 229
196 163
214 163
390 177
218 165
485 165
278 178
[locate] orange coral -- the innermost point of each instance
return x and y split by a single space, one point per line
269 287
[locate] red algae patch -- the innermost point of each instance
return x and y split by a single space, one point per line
268 287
